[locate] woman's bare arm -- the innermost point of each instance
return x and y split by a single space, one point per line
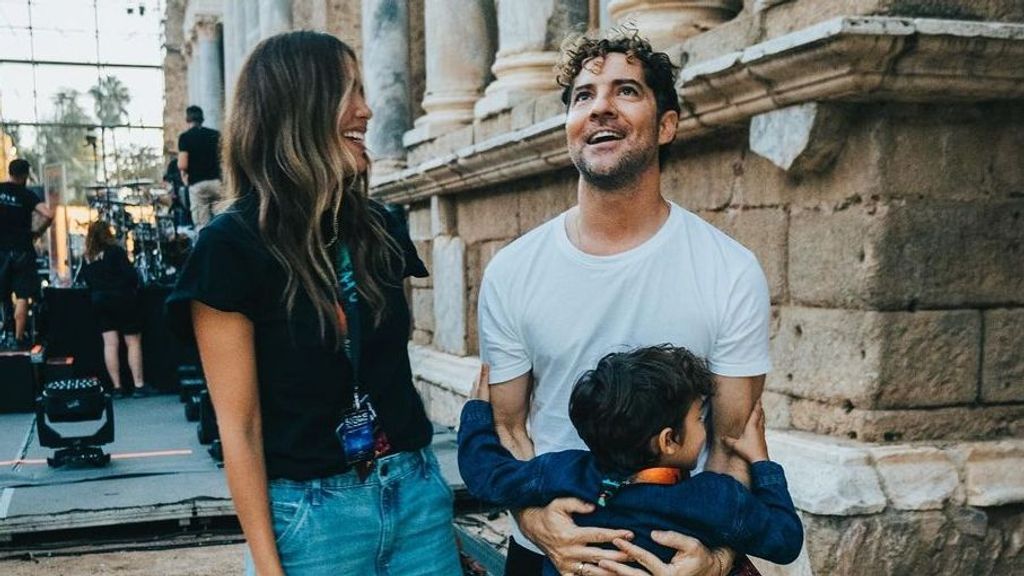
229 362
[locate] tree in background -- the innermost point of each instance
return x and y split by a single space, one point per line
64 141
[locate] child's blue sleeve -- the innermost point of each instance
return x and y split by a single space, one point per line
767 525
490 471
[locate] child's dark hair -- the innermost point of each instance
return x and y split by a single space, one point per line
618 407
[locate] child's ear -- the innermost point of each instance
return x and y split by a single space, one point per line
667 441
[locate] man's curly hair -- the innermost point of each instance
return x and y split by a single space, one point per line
659 72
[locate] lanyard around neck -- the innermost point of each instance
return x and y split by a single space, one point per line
348 298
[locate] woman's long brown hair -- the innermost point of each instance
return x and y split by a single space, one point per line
282 143
98 238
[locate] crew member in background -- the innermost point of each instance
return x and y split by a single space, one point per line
199 163
17 256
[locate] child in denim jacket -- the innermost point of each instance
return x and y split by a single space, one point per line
640 413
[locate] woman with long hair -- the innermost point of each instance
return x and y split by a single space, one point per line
296 301
114 293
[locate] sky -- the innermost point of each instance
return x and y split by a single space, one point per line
66 30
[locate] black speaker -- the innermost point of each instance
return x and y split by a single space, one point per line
17 383
207 427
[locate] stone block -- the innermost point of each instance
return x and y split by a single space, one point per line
450 294
477 258
776 410
704 175
764 232
952 423
522 115
800 139
833 258
425 251
442 216
483 217
952 151
422 337
548 106
827 476
419 222
993 473
731 36
905 255
915 478
546 198
1002 371
877 359
491 126
423 309
913 542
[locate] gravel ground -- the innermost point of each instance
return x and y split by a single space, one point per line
205 561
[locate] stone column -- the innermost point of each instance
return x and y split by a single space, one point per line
209 72
668 22
233 10
460 41
252 24
530 33
275 17
386 80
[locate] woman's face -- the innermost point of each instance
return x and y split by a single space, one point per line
354 119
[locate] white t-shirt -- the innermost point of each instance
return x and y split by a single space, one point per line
549 308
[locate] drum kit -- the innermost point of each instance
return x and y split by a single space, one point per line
148 223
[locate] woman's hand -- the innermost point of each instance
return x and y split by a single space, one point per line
567 545
691 559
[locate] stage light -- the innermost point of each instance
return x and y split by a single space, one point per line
75 400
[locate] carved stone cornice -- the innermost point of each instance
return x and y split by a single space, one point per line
856 59
853 59
510 156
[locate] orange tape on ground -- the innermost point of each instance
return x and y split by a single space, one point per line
122 456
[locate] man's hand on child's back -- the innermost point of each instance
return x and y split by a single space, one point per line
751 446
482 388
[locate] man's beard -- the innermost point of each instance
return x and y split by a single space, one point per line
630 165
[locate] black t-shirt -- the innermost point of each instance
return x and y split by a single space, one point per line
16 207
203 147
112 275
305 384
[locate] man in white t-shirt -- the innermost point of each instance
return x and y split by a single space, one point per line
623 268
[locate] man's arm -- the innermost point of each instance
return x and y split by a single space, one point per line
511 403
45 218
731 404
183 166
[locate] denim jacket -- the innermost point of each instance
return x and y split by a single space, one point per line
712 507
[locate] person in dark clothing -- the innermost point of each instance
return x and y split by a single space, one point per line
17 256
296 301
642 448
114 292
179 194
199 164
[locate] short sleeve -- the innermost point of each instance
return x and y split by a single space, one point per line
221 273
501 345
741 347
183 142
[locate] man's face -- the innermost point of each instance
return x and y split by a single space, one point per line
612 126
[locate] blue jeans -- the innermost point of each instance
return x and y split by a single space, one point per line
397 521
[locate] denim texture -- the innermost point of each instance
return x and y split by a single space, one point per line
714 508
397 521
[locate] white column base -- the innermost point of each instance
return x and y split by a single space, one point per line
519 77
